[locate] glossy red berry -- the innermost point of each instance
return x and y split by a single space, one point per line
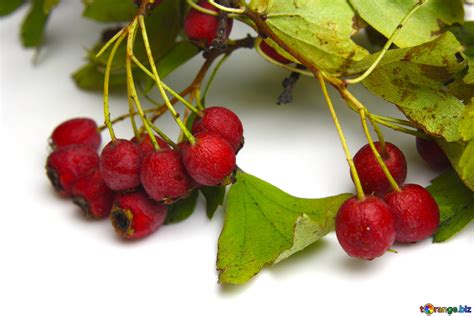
147 146
372 178
135 215
120 164
416 213
432 154
78 131
92 195
210 161
67 164
202 28
365 228
164 176
272 53
223 122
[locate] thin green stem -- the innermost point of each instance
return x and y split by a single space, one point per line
355 175
227 9
377 155
197 7
355 105
131 110
167 88
197 96
126 116
401 129
110 42
381 138
108 68
131 83
159 84
213 76
393 120
387 44
162 134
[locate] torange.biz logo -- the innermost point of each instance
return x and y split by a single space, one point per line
431 309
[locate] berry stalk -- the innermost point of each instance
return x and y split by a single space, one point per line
108 68
212 77
167 88
159 84
355 175
158 111
377 155
131 83
227 9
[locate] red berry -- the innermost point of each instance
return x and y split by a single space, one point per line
272 53
365 228
210 160
78 131
372 178
134 215
67 164
120 163
223 122
416 213
201 27
164 177
92 195
432 154
147 146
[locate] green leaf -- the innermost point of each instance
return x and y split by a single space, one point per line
180 53
461 156
455 224
49 5
456 205
320 30
32 29
427 23
264 225
416 84
214 198
182 209
109 10
9 6
460 89
91 77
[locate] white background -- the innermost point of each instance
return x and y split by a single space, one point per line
54 262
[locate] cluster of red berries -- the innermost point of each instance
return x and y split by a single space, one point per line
131 181
366 228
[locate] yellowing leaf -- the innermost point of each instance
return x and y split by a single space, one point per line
461 156
320 30
416 84
423 26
